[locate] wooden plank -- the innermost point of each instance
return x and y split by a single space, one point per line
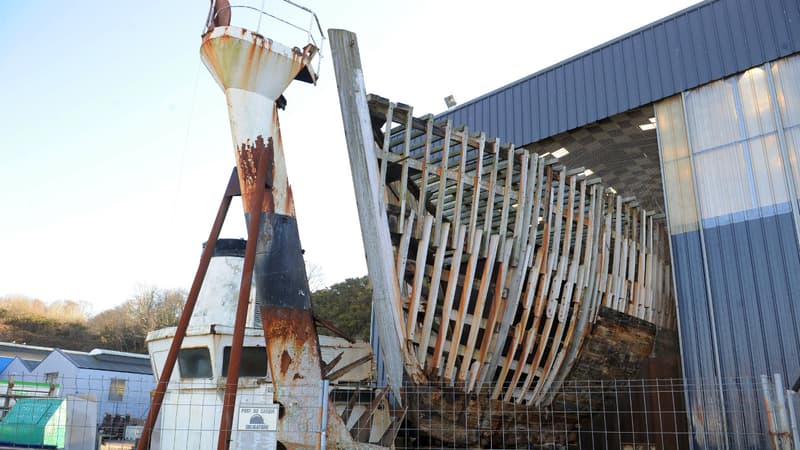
350 406
490 192
387 135
497 301
480 301
419 276
648 272
347 368
621 283
521 205
462 175
537 201
507 189
394 158
378 104
372 216
640 255
607 277
330 326
617 253
404 170
476 189
402 254
528 214
555 287
580 305
559 257
363 427
433 295
331 364
466 294
389 436
447 307
511 307
587 304
443 175
527 335
422 199
571 280
528 276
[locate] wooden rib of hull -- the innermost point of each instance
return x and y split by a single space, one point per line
505 258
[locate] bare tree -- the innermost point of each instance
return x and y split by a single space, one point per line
316 278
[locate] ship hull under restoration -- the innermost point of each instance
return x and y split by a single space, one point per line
502 273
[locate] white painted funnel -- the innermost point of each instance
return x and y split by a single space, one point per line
253 71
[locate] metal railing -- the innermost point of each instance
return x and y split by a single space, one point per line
312 30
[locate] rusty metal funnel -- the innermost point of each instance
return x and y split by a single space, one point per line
253 71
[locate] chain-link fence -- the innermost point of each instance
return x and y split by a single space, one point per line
100 412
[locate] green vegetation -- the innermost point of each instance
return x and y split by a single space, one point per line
67 324
347 305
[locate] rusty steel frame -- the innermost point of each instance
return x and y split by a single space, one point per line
232 383
232 190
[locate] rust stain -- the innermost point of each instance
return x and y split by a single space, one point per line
268 204
286 360
248 156
292 346
289 200
289 324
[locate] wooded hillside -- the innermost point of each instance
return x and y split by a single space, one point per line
67 324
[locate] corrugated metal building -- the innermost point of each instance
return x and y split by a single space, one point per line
698 115
120 381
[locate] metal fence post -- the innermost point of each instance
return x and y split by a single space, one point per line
323 422
793 418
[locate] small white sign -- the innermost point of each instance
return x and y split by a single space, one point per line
258 418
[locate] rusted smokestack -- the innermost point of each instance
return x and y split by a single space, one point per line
253 71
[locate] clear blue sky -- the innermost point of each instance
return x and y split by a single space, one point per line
115 141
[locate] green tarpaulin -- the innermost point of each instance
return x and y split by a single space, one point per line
35 421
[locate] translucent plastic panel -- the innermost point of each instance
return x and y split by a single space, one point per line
677 176
786 73
768 172
711 112
671 127
723 182
757 114
679 189
793 149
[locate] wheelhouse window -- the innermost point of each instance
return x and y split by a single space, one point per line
253 363
195 363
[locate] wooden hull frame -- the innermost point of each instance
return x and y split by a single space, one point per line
496 270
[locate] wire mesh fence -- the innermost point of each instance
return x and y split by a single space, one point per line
108 412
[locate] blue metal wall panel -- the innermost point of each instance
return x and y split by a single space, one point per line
754 274
791 12
698 350
581 103
639 52
703 43
685 71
